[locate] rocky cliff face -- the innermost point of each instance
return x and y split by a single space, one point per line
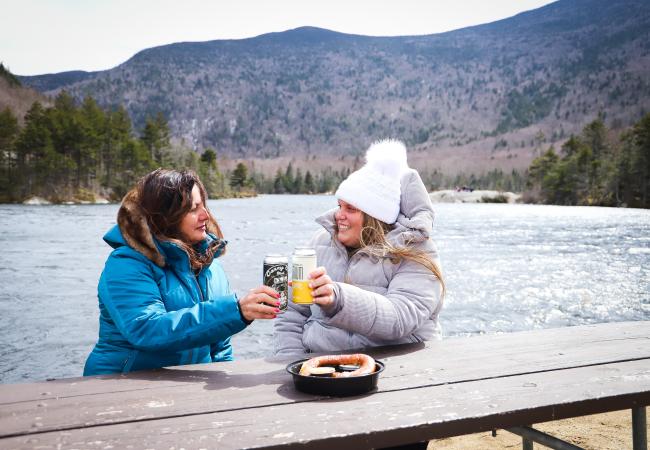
478 96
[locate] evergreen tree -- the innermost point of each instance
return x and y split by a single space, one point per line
134 162
66 133
641 160
116 138
239 177
298 183
156 138
209 157
212 178
599 168
310 187
327 181
39 165
279 183
8 133
633 171
8 130
288 179
539 171
93 124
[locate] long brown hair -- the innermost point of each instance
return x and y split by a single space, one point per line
373 240
165 197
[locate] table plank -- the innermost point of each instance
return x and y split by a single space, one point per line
379 419
201 389
562 344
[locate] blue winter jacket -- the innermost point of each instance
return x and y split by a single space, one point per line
160 314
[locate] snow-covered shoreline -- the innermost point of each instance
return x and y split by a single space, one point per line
453 196
42 201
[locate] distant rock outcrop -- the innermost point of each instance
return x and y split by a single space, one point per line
476 196
36 201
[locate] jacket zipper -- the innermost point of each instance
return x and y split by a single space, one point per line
347 269
198 285
196 280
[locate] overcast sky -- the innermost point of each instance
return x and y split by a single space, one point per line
46 36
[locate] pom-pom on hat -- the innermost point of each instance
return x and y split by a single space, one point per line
375 188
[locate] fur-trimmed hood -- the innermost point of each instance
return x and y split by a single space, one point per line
135 229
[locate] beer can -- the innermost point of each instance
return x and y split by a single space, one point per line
303 261
275 270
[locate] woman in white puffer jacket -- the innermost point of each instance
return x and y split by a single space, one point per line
379 282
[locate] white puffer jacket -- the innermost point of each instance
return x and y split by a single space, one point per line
376 302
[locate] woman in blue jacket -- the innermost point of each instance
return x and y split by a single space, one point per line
164 298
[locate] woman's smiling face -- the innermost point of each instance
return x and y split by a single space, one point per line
349 223
193 225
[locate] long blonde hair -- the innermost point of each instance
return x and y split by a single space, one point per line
373 240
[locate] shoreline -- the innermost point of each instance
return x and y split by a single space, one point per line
41 201
475 196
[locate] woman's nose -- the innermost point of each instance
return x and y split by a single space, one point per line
204 214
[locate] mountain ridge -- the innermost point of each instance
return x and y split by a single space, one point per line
487 96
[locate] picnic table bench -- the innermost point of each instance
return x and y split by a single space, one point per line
439 389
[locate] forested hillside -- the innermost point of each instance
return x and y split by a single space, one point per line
79 152
469 100
294 111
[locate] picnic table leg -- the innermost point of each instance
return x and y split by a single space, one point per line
639 432
526 444
530 435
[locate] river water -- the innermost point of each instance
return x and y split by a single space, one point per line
507 268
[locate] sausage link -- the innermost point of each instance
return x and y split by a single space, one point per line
365 362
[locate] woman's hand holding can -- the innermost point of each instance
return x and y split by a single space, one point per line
260 303
322 287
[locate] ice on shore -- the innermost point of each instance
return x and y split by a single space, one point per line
476 196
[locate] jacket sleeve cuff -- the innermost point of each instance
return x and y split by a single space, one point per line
247 322
337 305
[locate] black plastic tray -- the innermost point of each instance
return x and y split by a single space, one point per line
336 387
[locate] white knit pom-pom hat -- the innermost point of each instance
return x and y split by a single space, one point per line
375 188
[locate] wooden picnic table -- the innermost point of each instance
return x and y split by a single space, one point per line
439 389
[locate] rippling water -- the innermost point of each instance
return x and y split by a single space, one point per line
507 268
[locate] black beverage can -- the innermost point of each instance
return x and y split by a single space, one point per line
276 275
